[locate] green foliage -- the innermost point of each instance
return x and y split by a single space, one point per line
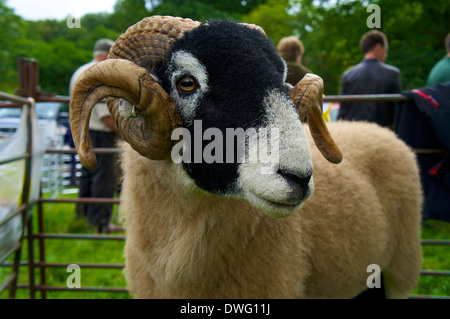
196 10
203 10
272 16
330 31
127 13
60 50
12 27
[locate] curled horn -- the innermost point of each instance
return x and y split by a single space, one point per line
148 117
254 26
307 96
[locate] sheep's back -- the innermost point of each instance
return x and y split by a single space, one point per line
363 211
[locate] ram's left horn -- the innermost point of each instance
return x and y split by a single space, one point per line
307 96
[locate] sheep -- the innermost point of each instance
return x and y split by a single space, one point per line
229 229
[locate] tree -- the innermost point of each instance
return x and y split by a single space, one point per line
202 10
273 17
195 10
13 28
127 13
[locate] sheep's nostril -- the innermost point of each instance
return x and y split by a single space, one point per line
298 184
300 180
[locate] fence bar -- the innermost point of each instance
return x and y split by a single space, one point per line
435 272
53 98
8 281
78 236
441 242
427 297
14 159
82 265
41 242
98 150
8 105
10 252
15 213
428 151
92 289
64 265
366 98
82 200
15 98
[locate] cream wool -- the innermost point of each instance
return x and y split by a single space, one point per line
186 243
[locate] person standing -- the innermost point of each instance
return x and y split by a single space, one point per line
291 50
99 182
440 73
371 76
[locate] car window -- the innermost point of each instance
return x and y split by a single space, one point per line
47 110
44 111
6 112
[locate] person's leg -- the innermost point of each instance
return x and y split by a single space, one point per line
85 183
103 185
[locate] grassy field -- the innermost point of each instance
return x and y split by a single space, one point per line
59 218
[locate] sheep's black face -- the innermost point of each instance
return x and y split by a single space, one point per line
227 81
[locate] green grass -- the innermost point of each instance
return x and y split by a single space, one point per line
60 218
435 258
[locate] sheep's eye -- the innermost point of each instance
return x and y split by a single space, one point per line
187 84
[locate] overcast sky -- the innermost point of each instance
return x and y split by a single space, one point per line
58 9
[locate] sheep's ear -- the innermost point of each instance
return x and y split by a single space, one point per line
307 96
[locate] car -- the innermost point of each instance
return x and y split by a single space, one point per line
53 118
58 171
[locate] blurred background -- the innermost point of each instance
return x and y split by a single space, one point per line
329 29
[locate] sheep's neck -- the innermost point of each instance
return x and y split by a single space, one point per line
186 226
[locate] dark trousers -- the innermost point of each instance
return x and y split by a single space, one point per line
99 182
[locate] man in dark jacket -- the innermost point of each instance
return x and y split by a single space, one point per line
371 76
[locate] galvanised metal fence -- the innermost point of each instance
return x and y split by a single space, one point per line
25 205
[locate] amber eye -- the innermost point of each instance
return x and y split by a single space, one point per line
187 84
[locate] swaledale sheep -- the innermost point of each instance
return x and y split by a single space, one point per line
227 228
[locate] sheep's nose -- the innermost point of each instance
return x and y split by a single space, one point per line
298 183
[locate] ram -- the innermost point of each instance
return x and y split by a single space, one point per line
241 228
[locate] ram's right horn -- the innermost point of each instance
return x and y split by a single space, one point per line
127 75
149 132
307 96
